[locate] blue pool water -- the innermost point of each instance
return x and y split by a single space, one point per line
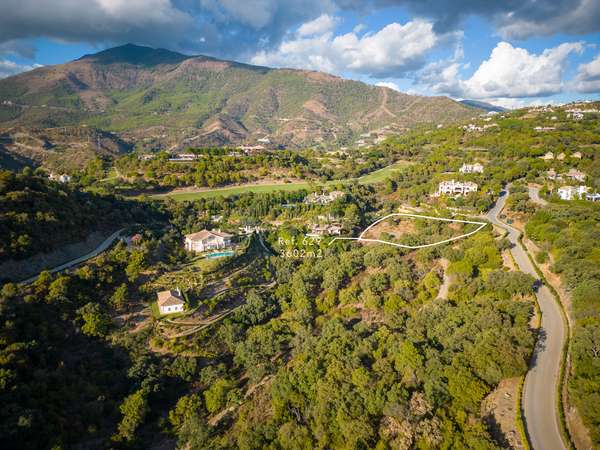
220 255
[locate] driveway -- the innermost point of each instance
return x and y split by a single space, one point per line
534 195
540 392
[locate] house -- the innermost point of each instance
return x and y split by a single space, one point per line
576 115
577 155
571 192
544 129
264 140
575 175
60 178
170 301
551 174
548 156
456 188
471 168
207 240
330 230
323 198
560 156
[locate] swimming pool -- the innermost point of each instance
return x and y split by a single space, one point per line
220 254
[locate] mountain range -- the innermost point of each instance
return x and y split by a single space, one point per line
159 99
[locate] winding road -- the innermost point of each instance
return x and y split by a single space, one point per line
540 392
102 247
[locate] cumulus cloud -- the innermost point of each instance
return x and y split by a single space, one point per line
513 19
588 77
8 68
510 72
394 50
226 28
322 24
233 28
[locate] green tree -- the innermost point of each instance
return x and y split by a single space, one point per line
134 409
96 322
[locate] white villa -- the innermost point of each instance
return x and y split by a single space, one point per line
571 192
207 240
471 168
323 198
548 156
170 301
456 188
544 128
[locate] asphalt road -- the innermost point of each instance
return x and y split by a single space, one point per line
540 392
103 246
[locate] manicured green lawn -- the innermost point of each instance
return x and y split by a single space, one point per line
373 177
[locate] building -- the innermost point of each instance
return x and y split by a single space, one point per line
577 155
560 156
60 178
207 240
456 188
170 301
471 168
544 128
323 198
572 193
575 175
548 156
334 229
551 174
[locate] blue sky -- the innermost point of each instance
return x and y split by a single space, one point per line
509 53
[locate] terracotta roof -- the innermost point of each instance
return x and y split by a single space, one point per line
204 234
169 298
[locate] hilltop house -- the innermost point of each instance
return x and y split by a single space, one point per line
60 178
577 155
170 301
455 188
207 240
548 156
571 192
323 198
471 168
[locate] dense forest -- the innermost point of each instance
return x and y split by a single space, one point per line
37 215
291 341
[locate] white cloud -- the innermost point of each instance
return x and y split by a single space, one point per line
392 51
388 84
509 72
588 77
8 68
322 24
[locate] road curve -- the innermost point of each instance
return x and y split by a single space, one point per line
540 392
103 246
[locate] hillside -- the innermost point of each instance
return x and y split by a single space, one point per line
162 99
38 216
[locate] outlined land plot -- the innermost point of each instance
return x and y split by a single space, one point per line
416 231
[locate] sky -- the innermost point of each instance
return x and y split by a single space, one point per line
511 53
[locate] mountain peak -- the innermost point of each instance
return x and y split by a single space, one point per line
135 54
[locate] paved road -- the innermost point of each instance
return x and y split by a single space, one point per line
534 195
103 246
540 390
